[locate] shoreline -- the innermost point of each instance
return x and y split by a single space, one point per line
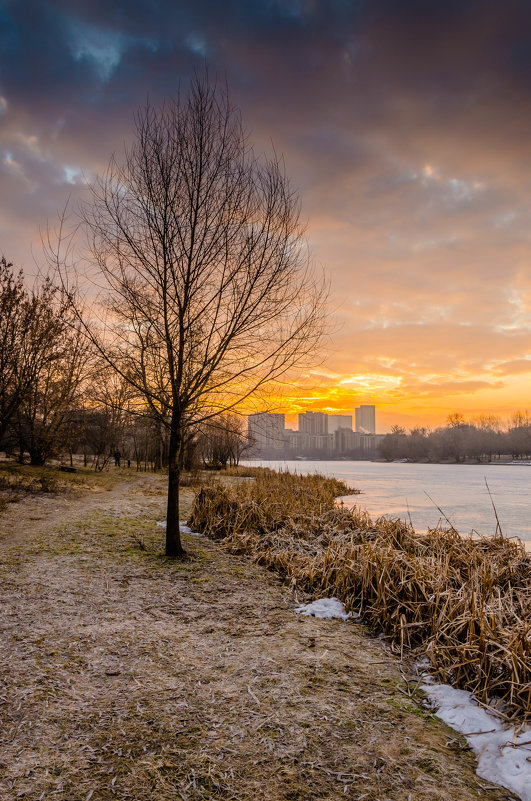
420 491
464 462
356 563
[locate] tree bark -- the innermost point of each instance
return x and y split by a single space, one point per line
174 546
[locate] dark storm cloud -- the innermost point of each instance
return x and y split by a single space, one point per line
310 70
442 51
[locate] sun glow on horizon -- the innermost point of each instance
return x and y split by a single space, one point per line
426 400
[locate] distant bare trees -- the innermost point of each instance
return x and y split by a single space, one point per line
480 440
44 417
223 441
106 414
519 435
209 293
393 444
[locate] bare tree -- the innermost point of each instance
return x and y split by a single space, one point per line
106 414
209 290
393 444
26 327
60 363
40 358
15 326
223 440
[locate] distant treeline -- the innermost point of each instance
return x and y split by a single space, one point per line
482 440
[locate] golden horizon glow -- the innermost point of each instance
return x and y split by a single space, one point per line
427 407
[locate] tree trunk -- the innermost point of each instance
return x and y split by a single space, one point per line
174 547
157 463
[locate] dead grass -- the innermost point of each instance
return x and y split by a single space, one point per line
20 480
127 676
272 500
465 603
17 479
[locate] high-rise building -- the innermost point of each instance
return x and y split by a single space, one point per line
313 423
267 431
365 420
345 440
336 421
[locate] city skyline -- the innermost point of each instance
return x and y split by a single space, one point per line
339 420
404 127
384 426
317 434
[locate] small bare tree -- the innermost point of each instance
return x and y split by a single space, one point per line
42 353
223 440
26 329
60 365
107 414
209 291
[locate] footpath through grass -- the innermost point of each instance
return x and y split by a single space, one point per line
127 676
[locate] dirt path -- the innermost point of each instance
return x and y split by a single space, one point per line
125 676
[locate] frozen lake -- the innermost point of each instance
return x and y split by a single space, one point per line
401 490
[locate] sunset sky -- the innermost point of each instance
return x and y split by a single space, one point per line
405 126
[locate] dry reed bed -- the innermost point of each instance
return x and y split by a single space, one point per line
464 602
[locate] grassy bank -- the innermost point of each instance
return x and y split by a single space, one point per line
465 603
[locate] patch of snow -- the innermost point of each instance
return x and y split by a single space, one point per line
504 752
183 528
422 666
325 608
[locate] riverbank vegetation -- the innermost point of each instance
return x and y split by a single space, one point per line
464 603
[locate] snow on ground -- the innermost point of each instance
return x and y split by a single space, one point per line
183 528
326 608
504 753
